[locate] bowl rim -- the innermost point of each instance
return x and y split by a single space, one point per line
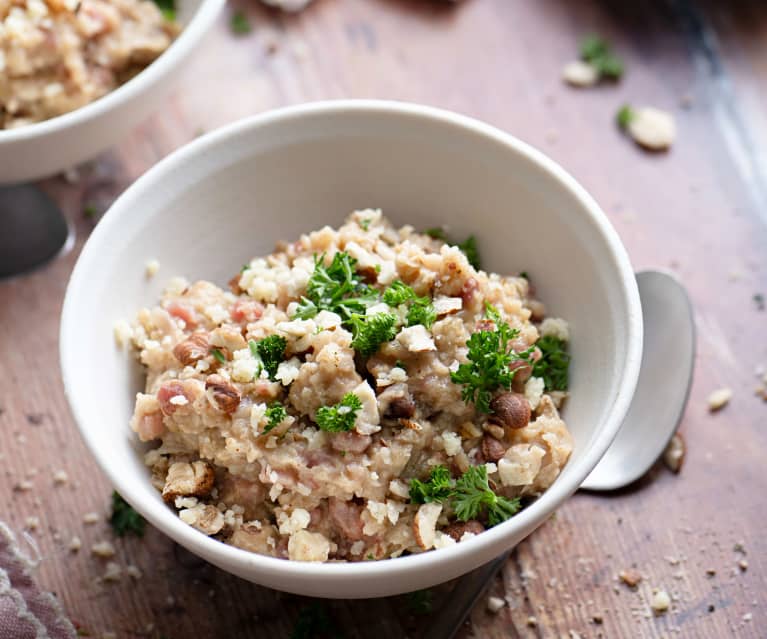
180 48
251 563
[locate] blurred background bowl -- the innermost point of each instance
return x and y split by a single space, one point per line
44 148
230 195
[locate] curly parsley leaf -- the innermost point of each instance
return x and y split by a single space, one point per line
275 414
341 417
271 352
240 25
488 367
370 331
124 519
421 312
554 364
437 233
336 288
438 487
398 293
167 8
625 116
472 495
596 51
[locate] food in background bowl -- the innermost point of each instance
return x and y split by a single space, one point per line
59 55
361 393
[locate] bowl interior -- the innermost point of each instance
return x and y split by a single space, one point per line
233 194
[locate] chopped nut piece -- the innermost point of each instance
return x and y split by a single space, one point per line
532 622
133 572
494 604
113 572
660 601
630 577
60 477
222 393
743 565
152 266
510 410
103 549
425 524
580 74
459 528
75 544
91 518
188 480
652 128
719 399
32 523
492 449
192 349
673 456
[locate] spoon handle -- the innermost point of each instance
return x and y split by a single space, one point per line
467 590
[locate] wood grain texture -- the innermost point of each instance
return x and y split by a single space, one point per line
696 210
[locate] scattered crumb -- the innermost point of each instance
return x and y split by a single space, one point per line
580 74
598 619
711 607
673 456
152 266
660 601
743 565
719 399
32 523
494 604
113 572
747 617
532 622
60 477
91 518
710 572
133 572
739 547
103 549
23 486
630 577
75 544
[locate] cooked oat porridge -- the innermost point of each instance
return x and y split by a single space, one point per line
360 393
59 55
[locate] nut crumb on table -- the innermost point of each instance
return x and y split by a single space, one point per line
103 549
718 399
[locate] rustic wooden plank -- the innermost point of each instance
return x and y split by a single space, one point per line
690 210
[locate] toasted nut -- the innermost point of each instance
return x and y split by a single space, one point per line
192 349
492 449
719 399
188 480
660 601
630 577
523 372
401 407
652 128
459 528
409 423
495 430
224 394
234 284
425 524
510 410
580 74
673 456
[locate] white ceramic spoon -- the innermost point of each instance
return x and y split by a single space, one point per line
658 404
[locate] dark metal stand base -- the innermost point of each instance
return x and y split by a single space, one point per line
33 229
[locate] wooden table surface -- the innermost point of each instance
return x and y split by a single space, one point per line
699 210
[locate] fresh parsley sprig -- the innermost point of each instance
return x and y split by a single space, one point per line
554 364
470 496
341 417
596 51
124 520
421 310
270 351
275 414
370 331
398 293
488 367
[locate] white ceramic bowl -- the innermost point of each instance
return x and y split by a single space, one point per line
44 148
231 194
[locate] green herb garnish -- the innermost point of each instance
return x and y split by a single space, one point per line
271 352
596 51
244 268
437 233
398 293
341 417
275 414
469 496
438 487
167 8
553 365
488 367
420 602
336 288
365 224
124 520
525 275
218 355
370 331
421 312
89 211
625 116
239 23
470 250
473 495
